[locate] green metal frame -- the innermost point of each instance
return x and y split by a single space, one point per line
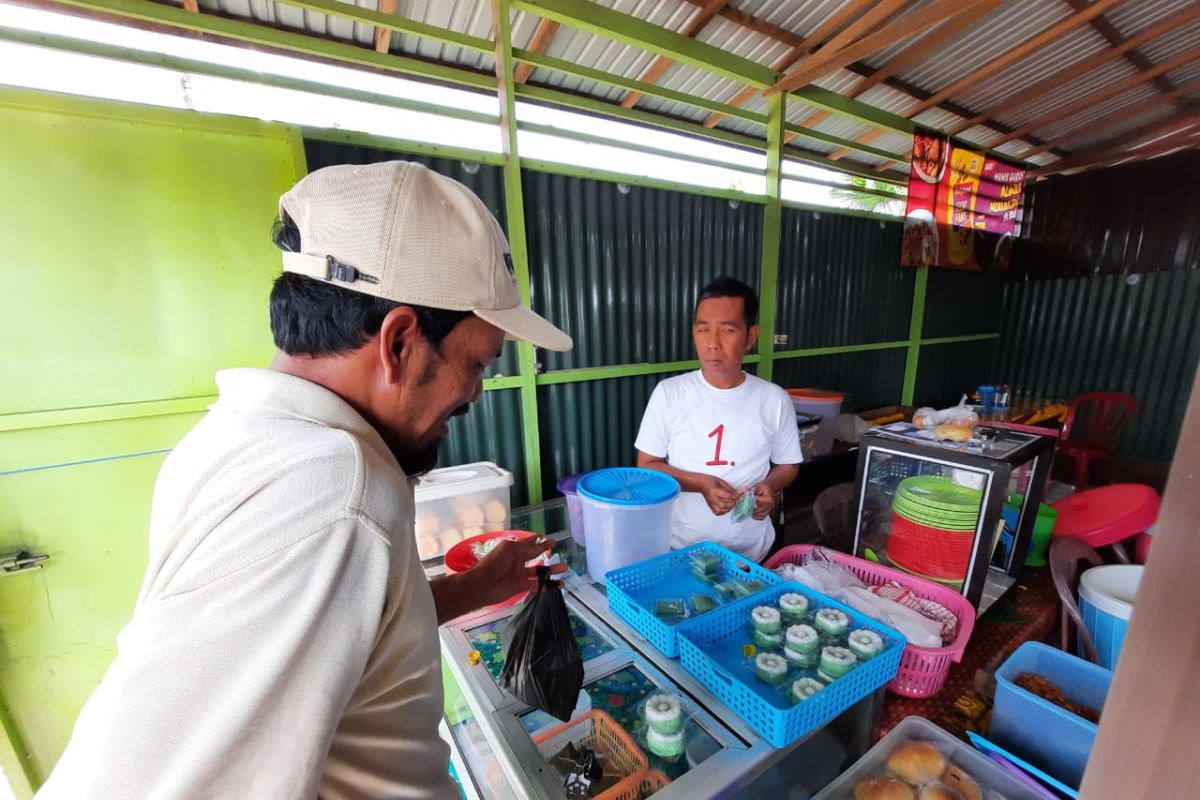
597 19
592 173
916 324
591 138
850 144
772 228
393 22
514 206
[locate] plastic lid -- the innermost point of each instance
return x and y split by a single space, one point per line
1107 514
481 476
628 486
819 395
567 484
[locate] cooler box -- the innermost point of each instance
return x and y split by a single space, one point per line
819 403
456 503
1106 603
1049 737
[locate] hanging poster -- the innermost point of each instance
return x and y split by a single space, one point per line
964 208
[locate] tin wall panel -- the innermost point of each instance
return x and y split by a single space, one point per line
946 371
1139 218
840 281
619 267
960 303
592 424
1138 334
869 380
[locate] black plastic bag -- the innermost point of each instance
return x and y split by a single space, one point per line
542 665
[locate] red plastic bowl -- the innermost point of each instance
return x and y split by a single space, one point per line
459 558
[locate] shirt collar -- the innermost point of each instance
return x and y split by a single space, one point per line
250 389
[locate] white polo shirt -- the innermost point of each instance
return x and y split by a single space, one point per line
284 644
735 434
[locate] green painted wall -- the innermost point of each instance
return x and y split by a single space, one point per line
138 263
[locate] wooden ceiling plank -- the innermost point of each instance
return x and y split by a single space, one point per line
1114 37
543 34
383 36
661 64
1085 66
827 60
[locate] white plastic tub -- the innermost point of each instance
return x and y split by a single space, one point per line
456 503
818 403
1106 603
627 515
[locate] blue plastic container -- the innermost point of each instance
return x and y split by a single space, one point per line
1106 603
633 590
1049 737
627 515
711 648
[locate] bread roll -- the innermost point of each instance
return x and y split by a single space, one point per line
471 516
495 512
883 789
450 537
917 763
953 433
427 547
939 791
960 781
427 525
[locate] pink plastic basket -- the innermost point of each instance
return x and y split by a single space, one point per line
923 670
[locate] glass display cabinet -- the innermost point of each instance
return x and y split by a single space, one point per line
938 510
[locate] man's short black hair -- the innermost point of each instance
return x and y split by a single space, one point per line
726 286
313 318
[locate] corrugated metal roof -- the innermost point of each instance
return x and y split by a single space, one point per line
1101 115
1002 29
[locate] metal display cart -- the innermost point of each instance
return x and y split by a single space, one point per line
1006 467
491 733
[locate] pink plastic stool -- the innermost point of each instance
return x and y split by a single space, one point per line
1107 516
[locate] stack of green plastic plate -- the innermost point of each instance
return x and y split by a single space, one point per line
938 503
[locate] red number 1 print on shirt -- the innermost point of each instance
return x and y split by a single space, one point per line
719 433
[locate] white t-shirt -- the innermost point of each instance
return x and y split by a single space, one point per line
735 434
284 644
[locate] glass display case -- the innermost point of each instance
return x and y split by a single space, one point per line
937 511
495 737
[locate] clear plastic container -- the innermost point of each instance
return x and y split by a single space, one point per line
991 778
456 503
568 486
818 403
627 515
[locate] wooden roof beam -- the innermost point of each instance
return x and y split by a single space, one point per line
829 60
383 36
543 34
661 64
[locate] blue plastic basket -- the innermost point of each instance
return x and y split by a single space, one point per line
711 649
632 590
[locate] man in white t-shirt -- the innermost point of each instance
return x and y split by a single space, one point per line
284 643
721 432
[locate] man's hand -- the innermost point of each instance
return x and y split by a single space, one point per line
719 495
764 500
502 572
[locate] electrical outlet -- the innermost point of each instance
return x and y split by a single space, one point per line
781 339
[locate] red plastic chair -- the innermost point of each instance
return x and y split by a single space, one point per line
1104 415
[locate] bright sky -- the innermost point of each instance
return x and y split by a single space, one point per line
54 70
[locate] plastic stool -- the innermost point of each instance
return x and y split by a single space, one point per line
1107 516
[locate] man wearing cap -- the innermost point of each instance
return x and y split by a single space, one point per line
284 643
720 432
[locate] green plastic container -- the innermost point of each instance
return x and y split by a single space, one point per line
1043 528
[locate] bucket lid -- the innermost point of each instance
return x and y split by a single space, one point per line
628 486
566 484
818 395
1111 588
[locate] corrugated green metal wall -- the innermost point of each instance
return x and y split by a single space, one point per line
1115 333
839 281
961 303
619 266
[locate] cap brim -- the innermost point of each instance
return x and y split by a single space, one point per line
521 323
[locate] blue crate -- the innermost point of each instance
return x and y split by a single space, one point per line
632 590
711 649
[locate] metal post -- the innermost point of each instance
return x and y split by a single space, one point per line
915 325
514 206
772 225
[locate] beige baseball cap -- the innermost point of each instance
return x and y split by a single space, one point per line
401 231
